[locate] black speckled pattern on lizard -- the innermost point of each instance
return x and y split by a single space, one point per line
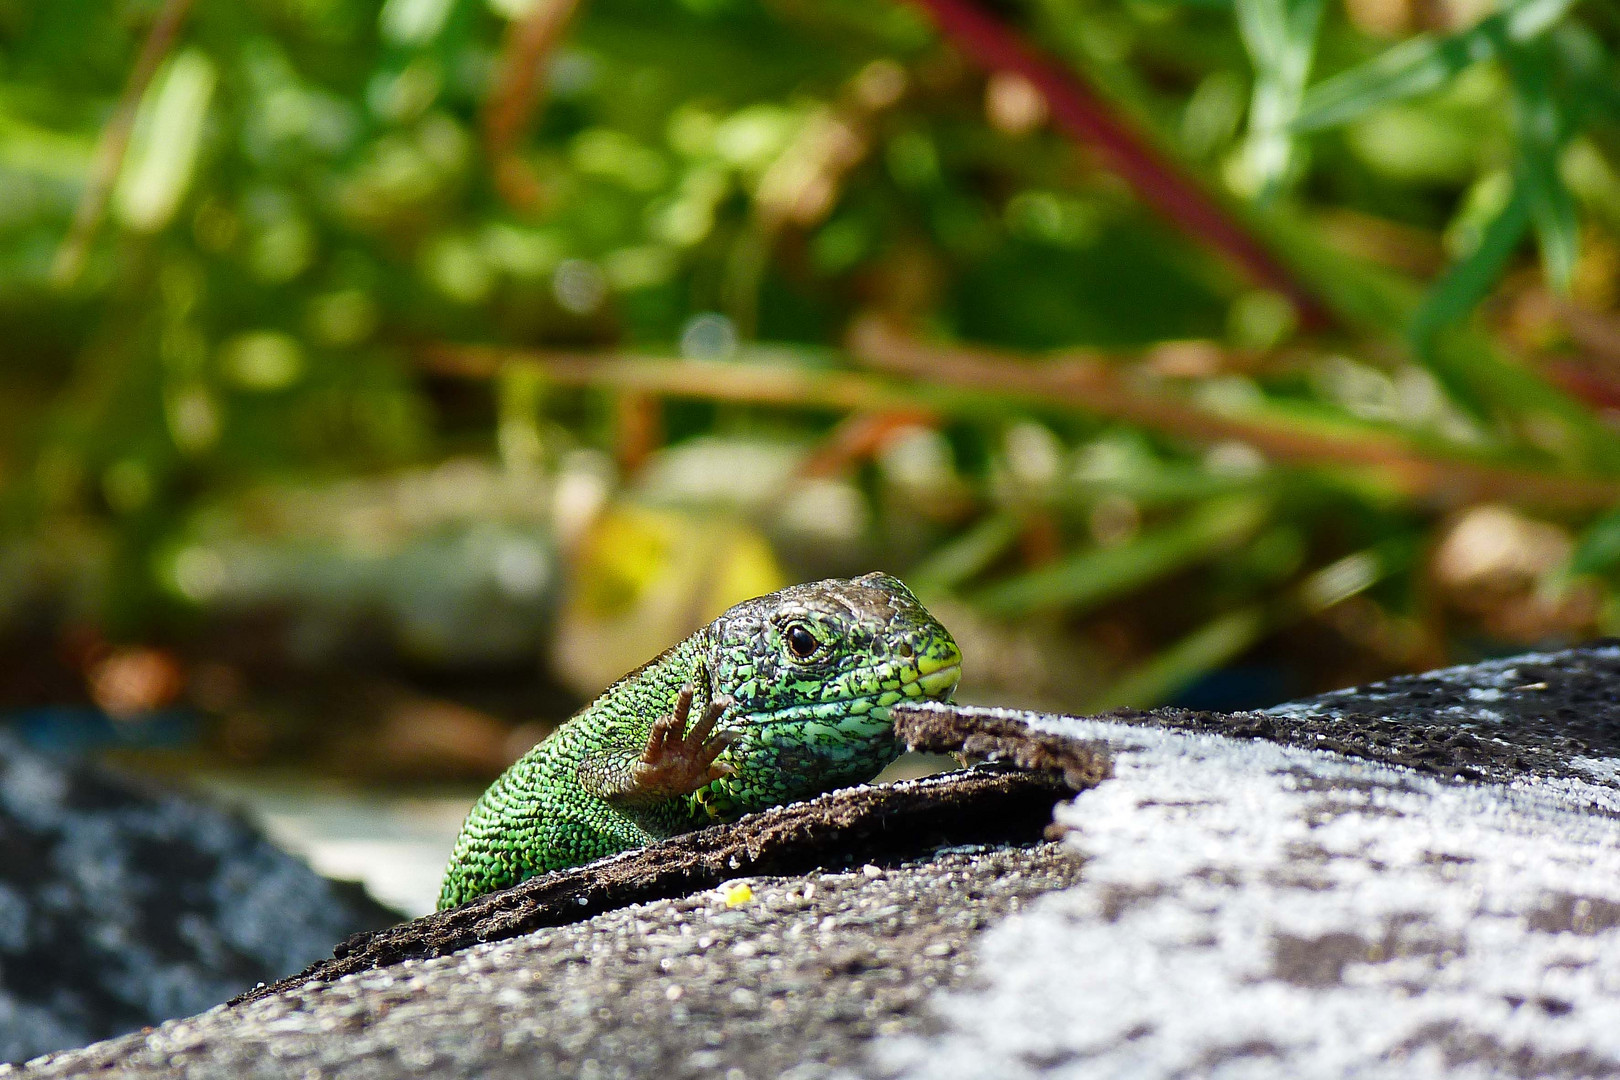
797 725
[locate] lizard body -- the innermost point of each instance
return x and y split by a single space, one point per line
791 692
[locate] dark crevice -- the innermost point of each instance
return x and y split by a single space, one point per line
1003 735
1495 722
905 819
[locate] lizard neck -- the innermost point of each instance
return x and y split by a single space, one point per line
650 690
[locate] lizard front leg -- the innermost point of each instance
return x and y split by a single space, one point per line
676 761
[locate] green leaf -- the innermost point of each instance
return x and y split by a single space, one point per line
966 555
1599 549
1411 68
1419 65
1530 18
1095 575
1470 278
1280 36
1542 132
1205 649
1558 229
1227 637
168 135
1590 89
1476 372
29 148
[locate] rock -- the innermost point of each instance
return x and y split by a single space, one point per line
121 907
1417 878
1258 910
882 821
808 971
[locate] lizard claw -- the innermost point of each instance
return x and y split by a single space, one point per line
670 724
679 760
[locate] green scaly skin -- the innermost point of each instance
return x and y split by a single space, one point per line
788 727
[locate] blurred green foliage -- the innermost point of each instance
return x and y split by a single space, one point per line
315 194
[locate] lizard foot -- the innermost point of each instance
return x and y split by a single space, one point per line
678 760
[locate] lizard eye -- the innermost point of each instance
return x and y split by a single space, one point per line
800 641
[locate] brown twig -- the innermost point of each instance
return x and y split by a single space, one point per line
964 382
861 437
518 90
705 380
1596 332
1085 116
638 428
114 141
1527 313
1098 387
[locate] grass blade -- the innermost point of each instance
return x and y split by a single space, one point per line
1542 132
1183 663
1092 576
1229 636
1457 291
1599 549
1419 65
1280 36
1591 91
966 555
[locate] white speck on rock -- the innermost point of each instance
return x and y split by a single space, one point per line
1606 770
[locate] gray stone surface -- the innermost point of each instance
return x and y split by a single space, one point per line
1417 879
850 825
1254 910
1537 715
805 970
121 906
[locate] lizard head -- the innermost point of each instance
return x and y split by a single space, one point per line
813 670
830 648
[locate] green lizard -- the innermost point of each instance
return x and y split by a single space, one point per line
791 693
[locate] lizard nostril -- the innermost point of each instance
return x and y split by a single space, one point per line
903 649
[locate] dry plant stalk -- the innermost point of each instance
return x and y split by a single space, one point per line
114 141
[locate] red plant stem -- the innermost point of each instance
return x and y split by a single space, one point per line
1592 386
1082 113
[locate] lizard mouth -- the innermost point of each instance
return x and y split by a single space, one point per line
938 669
932 675
939 683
